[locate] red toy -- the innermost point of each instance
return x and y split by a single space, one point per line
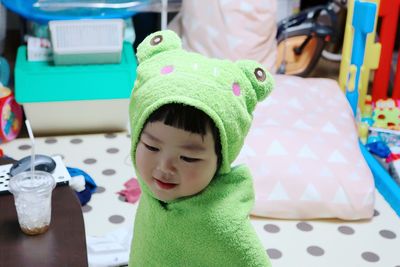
10 115
389 13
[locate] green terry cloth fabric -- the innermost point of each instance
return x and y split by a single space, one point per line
209 229
213 227
227 92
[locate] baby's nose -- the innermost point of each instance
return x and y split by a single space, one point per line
167 167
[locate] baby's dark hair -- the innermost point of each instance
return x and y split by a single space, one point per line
189 119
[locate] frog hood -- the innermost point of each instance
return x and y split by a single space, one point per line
226 91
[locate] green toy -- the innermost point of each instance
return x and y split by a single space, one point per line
211 228
386 114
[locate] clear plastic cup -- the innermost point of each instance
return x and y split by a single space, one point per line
32 198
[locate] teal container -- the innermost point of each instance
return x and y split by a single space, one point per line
44 82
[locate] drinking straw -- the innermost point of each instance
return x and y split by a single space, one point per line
28 126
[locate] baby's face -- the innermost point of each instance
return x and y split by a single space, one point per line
175 163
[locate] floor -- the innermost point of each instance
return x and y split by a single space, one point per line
105 157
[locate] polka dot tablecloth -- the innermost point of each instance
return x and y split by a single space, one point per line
105 157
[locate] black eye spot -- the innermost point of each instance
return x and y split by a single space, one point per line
260 74
156 40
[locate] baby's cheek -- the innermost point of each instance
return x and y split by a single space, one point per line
194 170
191 174
141 162
199 177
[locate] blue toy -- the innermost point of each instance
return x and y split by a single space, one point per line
378 148
90 186
362 27
363 24
4 71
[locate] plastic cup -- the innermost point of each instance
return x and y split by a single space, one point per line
32 198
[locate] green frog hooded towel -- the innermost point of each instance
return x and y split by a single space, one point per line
211 228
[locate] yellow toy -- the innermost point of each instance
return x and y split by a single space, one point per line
371 60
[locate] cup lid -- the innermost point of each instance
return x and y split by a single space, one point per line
22 182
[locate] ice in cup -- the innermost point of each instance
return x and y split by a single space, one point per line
32 198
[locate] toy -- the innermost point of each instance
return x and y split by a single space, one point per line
379 148
4 71
367 110
10 111
389 12
361 28
383 121
371 60
10 116
383 181
83 184
386 114
365 12
363 131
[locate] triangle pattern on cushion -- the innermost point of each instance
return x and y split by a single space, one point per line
340 197
311 194
263 170
301 125
354 176
294 169
326 172
278 193
233 42
369 199
294 103
329 128
247 151
337 157
270 122
307 153
276 149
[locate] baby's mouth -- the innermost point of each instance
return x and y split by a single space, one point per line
165 185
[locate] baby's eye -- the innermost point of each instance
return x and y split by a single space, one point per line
151 148
187 159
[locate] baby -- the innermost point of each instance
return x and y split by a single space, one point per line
189 116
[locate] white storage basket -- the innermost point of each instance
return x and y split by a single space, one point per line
86 41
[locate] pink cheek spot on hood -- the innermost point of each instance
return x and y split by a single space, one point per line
167 69
236 89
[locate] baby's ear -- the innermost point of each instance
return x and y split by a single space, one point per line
158 42
261 80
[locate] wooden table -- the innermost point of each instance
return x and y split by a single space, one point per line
64 244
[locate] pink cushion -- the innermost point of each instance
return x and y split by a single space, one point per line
232 30
303 152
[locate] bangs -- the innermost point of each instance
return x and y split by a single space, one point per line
183 117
